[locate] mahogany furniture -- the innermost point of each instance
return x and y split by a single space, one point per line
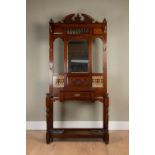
78 81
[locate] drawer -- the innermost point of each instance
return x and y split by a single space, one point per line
77 95
78 82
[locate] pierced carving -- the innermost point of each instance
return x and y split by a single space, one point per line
78 18
97 81
58 81
78 31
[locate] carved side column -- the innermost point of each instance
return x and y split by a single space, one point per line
49 117
106 119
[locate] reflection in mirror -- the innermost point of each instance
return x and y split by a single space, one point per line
58 54
97 56
78 56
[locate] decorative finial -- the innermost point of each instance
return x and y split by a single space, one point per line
51 21
104 21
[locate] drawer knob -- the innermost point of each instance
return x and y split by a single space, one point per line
76 95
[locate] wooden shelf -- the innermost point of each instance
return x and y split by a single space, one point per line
77 133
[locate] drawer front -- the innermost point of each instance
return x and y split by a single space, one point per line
77 95
79 82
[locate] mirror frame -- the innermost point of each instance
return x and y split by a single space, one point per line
72 40
79 38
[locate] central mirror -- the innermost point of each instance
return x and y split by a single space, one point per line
78 56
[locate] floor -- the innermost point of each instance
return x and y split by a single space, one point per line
36 145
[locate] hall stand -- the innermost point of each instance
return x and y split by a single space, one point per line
77 82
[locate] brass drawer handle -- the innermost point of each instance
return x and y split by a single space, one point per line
76 95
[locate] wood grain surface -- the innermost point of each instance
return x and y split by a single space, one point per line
118 145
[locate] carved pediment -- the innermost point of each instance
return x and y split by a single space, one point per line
78 18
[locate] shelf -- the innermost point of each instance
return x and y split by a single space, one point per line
77 133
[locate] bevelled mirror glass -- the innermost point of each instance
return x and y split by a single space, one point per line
78 56
97 56
58 49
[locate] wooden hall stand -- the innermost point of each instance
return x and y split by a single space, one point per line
77 82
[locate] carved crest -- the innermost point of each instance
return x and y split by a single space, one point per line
77 18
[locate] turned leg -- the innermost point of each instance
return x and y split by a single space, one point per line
48 137
106 119
49 118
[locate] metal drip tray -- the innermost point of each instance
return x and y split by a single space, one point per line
57 132
97 132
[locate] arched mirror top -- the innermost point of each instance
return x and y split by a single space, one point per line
58 37
58 55
97 55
